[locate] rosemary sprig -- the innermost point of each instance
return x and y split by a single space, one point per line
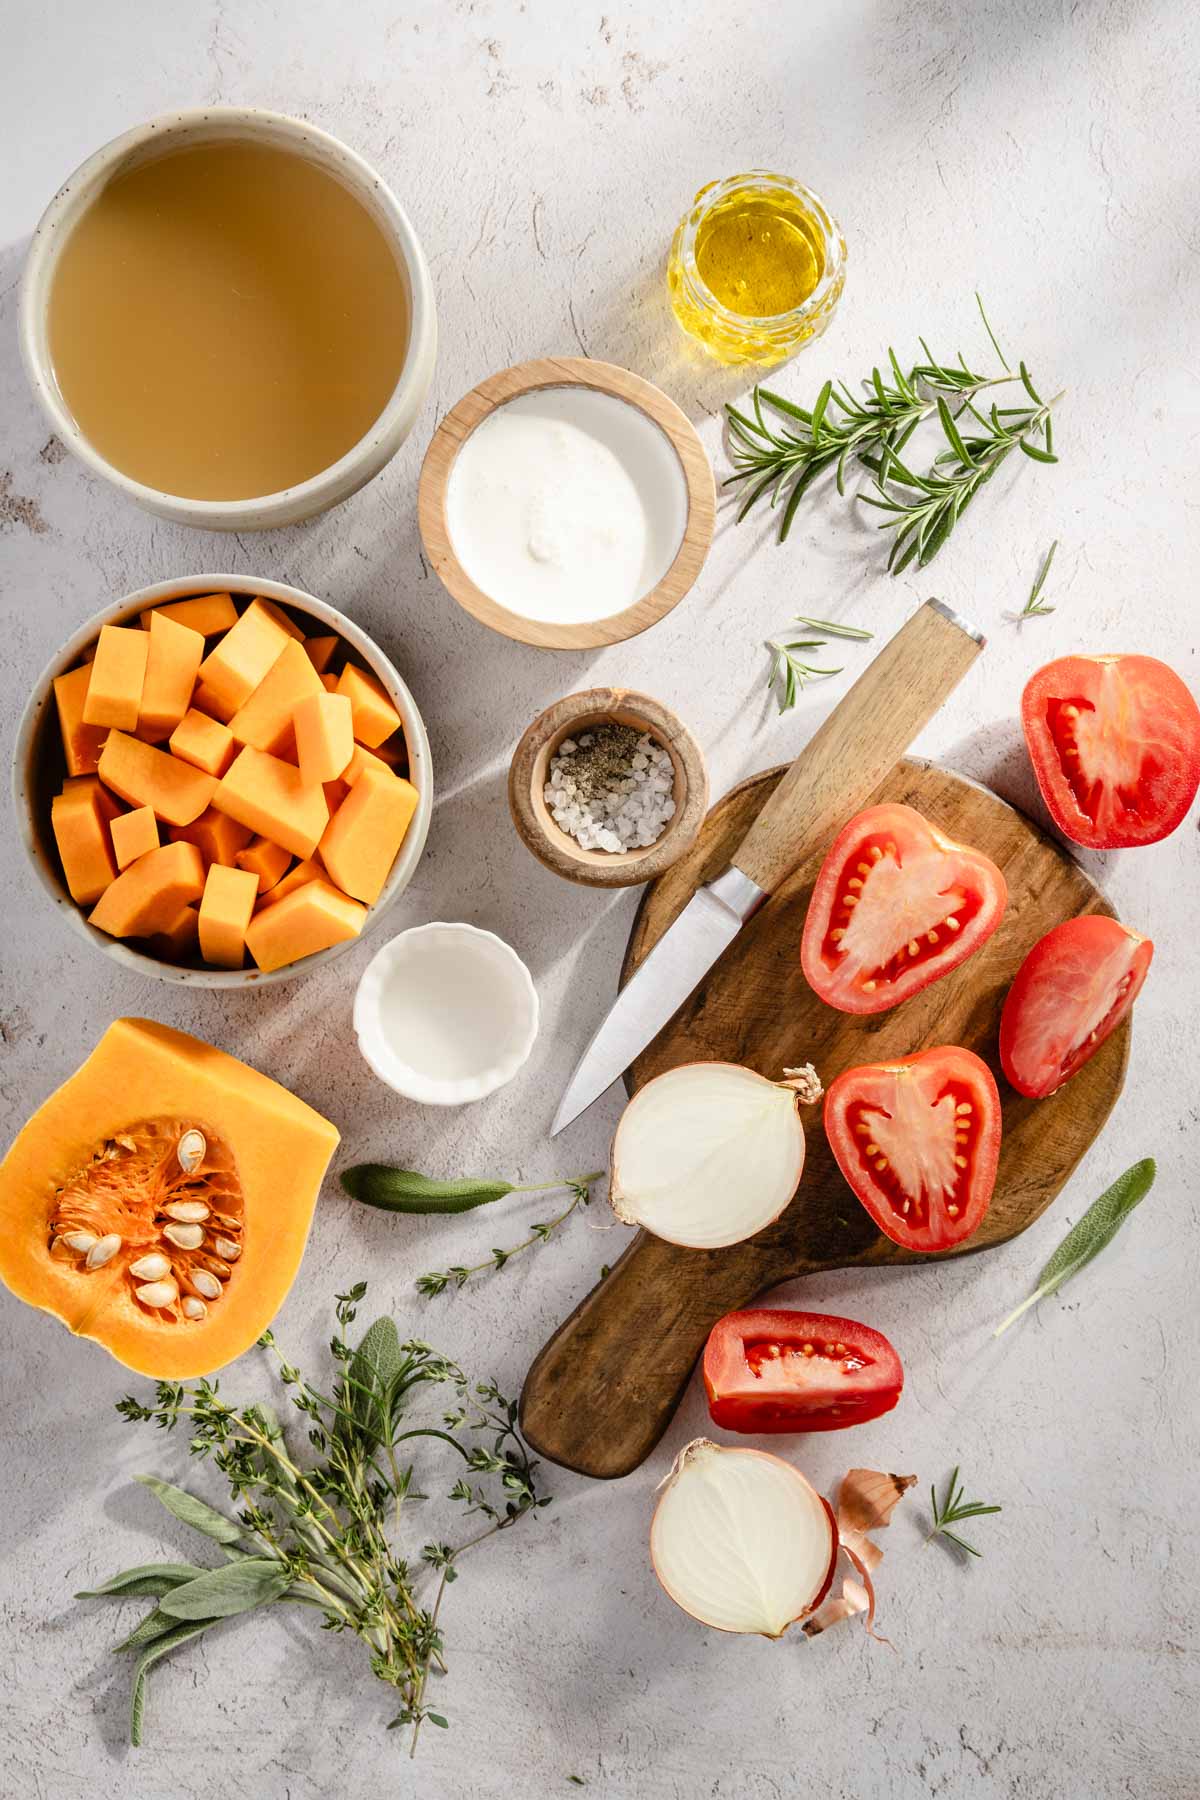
1090 1234
436 1281
773 461
953 1508
791 671
323 1533
1035 605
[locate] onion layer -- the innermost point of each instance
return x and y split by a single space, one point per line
709 1153
741 1540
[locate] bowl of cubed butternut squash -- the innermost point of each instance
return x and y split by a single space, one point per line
222 781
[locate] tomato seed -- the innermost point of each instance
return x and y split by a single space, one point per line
869 987
807 1349
872 1149
876 853
854 882
863 868
882 1163
849 899
960 1162
931 937
952 923
953 1211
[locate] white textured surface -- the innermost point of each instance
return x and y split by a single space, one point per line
1044 153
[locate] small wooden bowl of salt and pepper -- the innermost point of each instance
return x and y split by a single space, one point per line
608 787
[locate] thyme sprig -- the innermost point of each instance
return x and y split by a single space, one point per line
324 1533
840 429
949 1511
436 1281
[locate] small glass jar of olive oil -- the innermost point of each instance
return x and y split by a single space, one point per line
756 268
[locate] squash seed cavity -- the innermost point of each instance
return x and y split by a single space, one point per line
159 1208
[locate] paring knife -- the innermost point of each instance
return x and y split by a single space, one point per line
832 778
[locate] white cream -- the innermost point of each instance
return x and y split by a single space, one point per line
566 505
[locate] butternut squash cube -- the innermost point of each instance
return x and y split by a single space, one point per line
360 844
265 721
81 743
80 817
206 701
310 919
242 658
279 614
217 837
270 796
133 835
311 869
205 613
266 861
148 895
114 694
362 759
324 725
321 651
176 652
375 718
335 793
203 742
330 682
145 776
225 911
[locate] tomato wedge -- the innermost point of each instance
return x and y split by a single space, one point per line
772 1369
1115 746
896 906
918 1140
1072 990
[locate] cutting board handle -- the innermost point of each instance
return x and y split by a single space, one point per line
862 739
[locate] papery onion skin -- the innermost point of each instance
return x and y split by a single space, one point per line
717 1228
665 1563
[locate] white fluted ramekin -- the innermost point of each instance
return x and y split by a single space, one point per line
363 460
517 1002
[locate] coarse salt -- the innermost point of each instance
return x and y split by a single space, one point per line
611 789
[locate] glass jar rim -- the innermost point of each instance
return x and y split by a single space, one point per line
834 243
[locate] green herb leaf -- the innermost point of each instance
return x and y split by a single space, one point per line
147 1578
1097 1228
949 1511
235 1588
137 1704
832 628
406 1191
1035 604
196 1513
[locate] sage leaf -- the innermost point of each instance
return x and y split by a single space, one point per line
235 1588
156 1624
147 1578
196 1513
137 1704
406 1191
1097 1228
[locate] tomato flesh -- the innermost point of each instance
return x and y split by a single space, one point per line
773 1370
1070 993
895 906
918 1140
1115 746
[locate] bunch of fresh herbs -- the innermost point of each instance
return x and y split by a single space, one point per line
324 1531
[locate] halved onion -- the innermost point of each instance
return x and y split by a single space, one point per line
709 1153
741 1540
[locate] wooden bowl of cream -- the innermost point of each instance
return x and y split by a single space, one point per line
227 314
566 503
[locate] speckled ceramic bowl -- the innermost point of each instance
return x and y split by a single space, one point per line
202 124
38 770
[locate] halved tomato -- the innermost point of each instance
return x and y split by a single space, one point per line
1072 990
896 906
775 1370
918 1140
1115 746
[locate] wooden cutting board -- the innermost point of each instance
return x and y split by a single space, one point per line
600 1394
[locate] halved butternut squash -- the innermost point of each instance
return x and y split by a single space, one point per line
156 1133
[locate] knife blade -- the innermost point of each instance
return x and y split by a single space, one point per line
831 779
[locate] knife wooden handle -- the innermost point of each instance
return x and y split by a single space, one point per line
866 735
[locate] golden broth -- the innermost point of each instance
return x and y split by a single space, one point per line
226 321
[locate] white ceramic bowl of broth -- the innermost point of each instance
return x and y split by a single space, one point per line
38 769
354 392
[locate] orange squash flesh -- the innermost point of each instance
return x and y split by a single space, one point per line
147 896
114 695
145 776
375 718
205 613
311 918
217 837
148 1082
265 721
242 658
204 742
324 726
134 834
82 743
268 795
226 909
321 651
267 862
80 818
311 869
364 835
176 652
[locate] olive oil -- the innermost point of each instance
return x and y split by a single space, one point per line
226 321
756 269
